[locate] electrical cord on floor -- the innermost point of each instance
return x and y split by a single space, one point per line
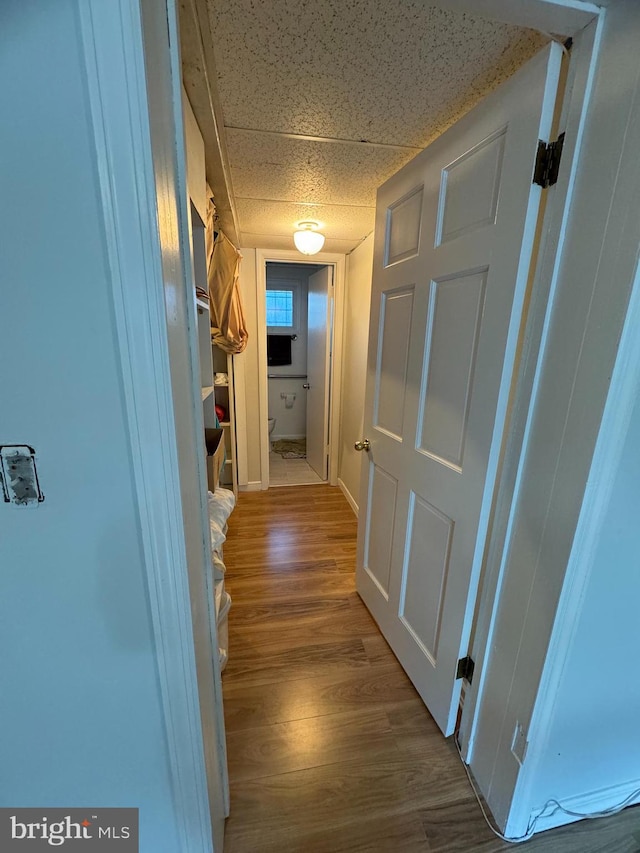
520 839
543 811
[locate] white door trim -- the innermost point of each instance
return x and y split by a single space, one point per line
565 17
114 54
335 393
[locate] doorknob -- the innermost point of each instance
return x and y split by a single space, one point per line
365 444
306 385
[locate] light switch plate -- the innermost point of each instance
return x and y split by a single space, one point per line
18 474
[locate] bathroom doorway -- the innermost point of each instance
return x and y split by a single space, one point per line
299 321
301 313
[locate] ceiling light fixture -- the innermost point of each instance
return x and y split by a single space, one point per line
307 238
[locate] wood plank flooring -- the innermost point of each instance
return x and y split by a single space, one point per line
330 748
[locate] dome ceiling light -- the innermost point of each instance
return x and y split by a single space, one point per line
307 238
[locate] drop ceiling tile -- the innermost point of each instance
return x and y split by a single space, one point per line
398 72
279 218
269 166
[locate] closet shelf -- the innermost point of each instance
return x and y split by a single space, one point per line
201 303
223 395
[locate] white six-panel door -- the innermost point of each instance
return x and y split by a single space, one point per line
454 240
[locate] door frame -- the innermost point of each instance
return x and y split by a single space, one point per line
120 126
338 262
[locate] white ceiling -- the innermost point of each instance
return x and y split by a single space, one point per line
320 101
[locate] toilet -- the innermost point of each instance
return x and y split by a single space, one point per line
272 423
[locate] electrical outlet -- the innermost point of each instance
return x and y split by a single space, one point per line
519 743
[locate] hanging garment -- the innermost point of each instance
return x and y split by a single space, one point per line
228 328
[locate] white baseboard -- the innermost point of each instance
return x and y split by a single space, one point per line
253 486
589 803
350 499
286 437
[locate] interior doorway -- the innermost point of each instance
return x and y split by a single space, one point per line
299 351
297 298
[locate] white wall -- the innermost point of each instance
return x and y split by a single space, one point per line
354 365
589 303
593 740
81 708
291 423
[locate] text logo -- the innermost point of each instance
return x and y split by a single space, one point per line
100 830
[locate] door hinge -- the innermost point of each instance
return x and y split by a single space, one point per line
545 172
465 668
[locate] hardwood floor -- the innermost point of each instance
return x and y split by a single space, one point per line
330 748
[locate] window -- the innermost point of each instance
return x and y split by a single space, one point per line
283 304
280 308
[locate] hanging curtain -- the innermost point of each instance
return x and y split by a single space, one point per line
228 327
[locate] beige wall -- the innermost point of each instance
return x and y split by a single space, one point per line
354 364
